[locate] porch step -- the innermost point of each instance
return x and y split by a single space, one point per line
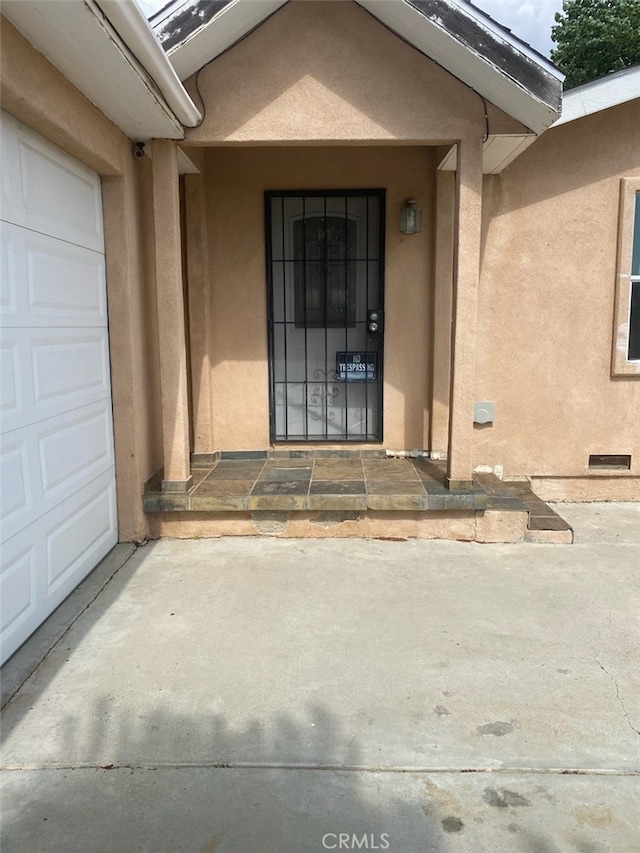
299 482
544 525
364 493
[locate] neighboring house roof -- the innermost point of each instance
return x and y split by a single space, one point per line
107 49
601 94
454 33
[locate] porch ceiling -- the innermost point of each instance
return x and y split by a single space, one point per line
459 37
497 152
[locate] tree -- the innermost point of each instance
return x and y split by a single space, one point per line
596 37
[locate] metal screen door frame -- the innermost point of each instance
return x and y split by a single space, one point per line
318 405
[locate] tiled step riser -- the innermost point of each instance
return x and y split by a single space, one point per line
301 503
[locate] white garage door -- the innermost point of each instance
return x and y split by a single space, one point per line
58 476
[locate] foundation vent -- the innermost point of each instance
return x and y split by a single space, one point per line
608 462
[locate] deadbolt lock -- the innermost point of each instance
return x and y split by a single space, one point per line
374 321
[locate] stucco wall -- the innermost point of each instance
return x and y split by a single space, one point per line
329 72
236 179
311 79
547 302
38 95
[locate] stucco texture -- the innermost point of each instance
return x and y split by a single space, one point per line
329 72
311 81
236 179
546 307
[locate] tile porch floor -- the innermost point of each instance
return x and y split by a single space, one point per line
340 480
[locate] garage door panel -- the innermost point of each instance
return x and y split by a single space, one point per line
62 198
18 584
77 538
12 208
8 290
20 479
14 355
47 462
56 453
47 372
69 369
41 566
75 449
64 282
53 193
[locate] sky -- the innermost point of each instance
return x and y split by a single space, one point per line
530 20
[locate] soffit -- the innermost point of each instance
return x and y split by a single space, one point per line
497 152
78 39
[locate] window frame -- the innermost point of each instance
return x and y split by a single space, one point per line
620 363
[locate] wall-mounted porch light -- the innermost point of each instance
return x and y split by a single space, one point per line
411 217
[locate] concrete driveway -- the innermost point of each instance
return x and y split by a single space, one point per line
272 696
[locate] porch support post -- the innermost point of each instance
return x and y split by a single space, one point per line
197 243
466 266
442 307
171 319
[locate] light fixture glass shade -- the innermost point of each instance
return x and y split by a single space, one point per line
411 217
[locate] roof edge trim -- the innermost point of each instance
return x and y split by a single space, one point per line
602 94
479 53
227 27
134 29
506 35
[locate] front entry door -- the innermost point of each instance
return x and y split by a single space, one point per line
325 268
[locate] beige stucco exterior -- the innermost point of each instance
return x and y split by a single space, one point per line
237 349
507 295
330 88
328 72
547 303
540 218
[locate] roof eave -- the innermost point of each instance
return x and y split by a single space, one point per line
527 87
132 25
216 35
103 58
534 101
610 91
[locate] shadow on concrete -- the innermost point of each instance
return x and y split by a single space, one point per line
86 601
123 764
132 796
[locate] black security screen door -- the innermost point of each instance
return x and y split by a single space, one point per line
325 269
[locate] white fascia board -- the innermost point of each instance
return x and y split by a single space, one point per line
81 43
232 23
487 22
133 27
469 67
610 91
497 153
